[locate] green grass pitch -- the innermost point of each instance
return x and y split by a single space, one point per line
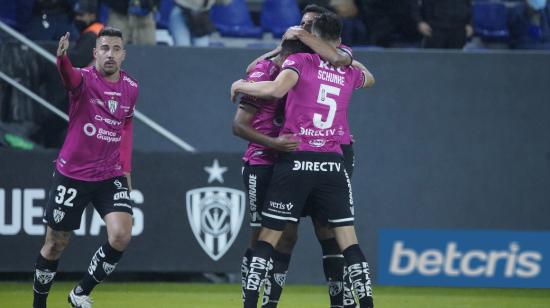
186 295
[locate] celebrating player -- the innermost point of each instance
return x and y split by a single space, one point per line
316 90
93 165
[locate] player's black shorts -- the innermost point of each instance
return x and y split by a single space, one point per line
319 178
68 198
256 181
349 157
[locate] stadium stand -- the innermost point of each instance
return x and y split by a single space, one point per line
278 15
233 20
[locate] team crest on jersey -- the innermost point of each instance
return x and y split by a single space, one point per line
112 105
215 215
58 215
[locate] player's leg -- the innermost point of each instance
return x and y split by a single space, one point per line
256 182
112 201
67 199
281 259
46 264
337 206
333 262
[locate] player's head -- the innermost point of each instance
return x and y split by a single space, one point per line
109 50
328 27
309 13
289 47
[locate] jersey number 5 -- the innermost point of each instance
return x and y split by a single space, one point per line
324 99
61 192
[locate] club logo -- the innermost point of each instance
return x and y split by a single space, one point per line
44 277
108 267
112 105
335 287
215 215
280 279
58 215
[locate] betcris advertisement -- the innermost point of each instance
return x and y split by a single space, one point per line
464 258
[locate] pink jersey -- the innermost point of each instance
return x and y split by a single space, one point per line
98 112
346 138
268 118
317 106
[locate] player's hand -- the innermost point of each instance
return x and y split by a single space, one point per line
285 143
424 29
63 45
293 33
235 89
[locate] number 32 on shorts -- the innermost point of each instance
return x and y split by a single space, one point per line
65 196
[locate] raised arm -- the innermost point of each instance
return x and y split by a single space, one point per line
266 89
328 52
70 76
243 128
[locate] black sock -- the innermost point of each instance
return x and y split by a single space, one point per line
333 266
260 264
44 272
349 299
276 280
244 268
359 275
103 263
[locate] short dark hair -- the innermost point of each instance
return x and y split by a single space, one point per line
289 47
328 26
110 31
314 8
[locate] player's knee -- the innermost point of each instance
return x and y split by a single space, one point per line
119 239
53 248
287 242
323 231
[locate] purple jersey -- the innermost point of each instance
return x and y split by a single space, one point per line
346 138
268 118
97 112
317 106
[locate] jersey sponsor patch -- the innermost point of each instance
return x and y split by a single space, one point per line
256 75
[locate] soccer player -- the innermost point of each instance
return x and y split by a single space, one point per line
93 165
316 107
259 122
338 55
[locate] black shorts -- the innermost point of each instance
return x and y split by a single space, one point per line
349 157
68 198
256 181
318 178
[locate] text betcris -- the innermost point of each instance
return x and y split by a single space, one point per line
452 261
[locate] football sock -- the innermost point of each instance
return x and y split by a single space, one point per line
260 264
276 280
359 276
103 263
333 266
244 268
44 272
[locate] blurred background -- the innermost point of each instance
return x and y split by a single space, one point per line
452 174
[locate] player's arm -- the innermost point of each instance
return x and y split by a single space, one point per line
266 55
335 56
70 76
126 150
242 127
369 78
267 89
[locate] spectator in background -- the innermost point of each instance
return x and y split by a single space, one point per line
85 20
190 23
444 23
135 18
529 25
50 19
390 22
16 14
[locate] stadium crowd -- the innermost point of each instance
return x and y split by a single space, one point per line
455 24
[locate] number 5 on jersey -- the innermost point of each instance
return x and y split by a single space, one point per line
324 99
62 191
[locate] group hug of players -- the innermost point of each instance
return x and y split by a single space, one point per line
298 163
294 113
